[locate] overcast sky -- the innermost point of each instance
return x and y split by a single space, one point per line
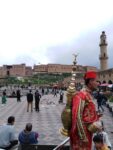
50 31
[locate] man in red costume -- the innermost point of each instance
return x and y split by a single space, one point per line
84 115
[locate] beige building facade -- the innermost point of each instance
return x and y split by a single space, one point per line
22 70
105 75
28 71
90 68
39 69
60 68
15 70
52 68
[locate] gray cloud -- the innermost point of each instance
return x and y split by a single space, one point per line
87 45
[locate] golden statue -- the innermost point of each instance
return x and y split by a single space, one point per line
66 114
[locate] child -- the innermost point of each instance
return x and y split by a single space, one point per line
104 135
99 143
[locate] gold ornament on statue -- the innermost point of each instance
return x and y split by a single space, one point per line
67 112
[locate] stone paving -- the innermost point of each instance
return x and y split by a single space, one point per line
47 122
108 123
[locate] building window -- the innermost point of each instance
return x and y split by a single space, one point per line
8 73
109 74
104 55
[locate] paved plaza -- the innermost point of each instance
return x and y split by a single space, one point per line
47 122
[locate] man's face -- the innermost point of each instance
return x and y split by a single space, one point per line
93 84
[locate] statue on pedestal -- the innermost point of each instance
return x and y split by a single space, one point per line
75 57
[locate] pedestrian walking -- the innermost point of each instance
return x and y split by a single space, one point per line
55 93
4 99
43 91
4 92
61 97
37 100
99 98
18 94
29 100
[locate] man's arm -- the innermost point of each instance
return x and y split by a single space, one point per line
90 117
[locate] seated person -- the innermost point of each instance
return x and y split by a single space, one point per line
99 143
7 134
27 136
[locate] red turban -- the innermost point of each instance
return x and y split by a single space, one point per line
90 75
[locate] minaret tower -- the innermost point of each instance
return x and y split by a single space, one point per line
103 52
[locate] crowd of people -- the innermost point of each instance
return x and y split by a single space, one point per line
86 125
38 95
8 137
31 95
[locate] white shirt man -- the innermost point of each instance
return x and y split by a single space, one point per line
7 134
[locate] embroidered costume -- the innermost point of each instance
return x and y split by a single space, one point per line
84 119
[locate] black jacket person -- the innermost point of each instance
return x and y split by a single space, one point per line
29 100
37 100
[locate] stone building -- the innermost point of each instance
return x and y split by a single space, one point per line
22 70
28 71
105 75
15 70
60 68
52 68
91 68
1 71
40 69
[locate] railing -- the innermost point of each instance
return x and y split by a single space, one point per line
61 145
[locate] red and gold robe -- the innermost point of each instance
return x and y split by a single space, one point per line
83 117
